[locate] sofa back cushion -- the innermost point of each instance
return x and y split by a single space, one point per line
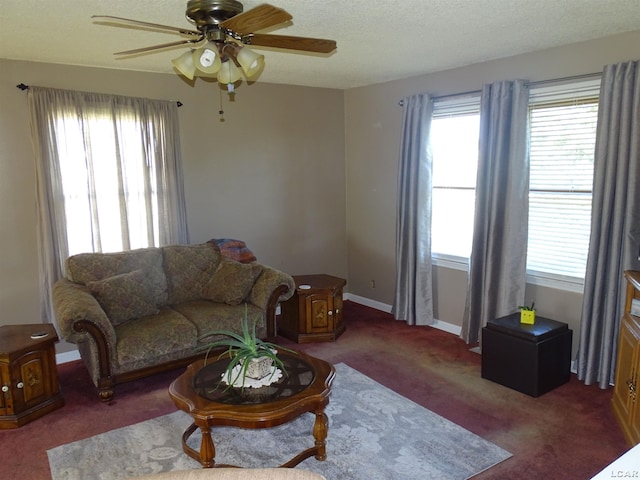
91 267
188 269
231 282
125 296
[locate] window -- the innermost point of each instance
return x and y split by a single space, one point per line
454 146
102 194
562 142
562 124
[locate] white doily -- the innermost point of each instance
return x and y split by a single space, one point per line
236 376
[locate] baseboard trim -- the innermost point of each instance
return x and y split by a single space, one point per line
66 357
383 307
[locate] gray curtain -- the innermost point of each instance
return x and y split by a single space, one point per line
71 131
413 300
497 267
615 221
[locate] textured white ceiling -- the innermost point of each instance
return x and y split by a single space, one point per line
377 40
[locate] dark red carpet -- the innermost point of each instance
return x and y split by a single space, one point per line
568 433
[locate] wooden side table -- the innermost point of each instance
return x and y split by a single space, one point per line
28 375
314 313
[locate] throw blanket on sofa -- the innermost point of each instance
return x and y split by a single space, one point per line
234 249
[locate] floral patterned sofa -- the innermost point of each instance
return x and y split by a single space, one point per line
139 312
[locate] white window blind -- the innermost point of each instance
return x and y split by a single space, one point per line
562 141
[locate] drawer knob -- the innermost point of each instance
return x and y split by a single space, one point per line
5 389
330 312
20 385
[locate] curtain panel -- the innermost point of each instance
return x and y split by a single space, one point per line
70 133
497 266
615 221
413 299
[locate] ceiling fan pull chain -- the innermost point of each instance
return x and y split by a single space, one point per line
221 111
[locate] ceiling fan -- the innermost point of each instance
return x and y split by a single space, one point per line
223 30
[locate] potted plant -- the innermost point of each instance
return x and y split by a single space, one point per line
253 357
528 314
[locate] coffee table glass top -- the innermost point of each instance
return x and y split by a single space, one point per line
297 376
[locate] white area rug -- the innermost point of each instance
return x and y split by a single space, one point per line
374 433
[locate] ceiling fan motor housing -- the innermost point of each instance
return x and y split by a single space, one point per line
205 13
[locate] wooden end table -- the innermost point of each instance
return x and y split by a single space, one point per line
305 388
28 375
314 312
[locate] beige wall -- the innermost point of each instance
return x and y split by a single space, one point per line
272 174
373 123
307 177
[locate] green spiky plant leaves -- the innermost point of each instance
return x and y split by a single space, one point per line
242 348
527 307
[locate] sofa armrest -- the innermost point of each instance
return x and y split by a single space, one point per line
267 283
80 315
271 288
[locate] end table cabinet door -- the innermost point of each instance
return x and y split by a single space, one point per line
26 383
337 310
319 313
5 380
32 370
324 312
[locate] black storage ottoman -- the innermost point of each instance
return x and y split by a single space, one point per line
531 359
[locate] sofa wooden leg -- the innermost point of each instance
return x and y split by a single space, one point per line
106 394
106 389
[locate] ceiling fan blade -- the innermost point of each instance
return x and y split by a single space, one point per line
306 44
258 18
129 21
156 47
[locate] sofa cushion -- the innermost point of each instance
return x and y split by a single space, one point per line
209 316
150 340
89 267
189 268
125 296
231 282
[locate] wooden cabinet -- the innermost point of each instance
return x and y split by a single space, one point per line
626 399
314 313
28 375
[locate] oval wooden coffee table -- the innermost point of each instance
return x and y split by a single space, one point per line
305 388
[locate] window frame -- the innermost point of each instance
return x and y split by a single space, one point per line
459 105
561 91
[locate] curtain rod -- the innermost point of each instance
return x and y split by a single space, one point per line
24 87
529 84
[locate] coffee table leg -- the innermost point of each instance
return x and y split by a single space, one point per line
207 449
320 429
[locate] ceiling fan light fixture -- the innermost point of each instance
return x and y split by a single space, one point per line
251 62
228 72
216 46
184 64
207 58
